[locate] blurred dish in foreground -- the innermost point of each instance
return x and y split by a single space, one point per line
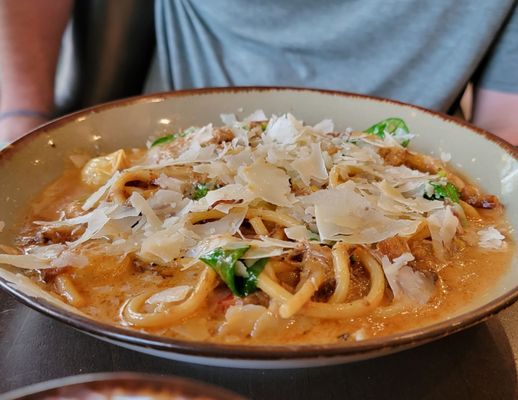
121 385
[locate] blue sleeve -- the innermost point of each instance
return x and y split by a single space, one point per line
499 70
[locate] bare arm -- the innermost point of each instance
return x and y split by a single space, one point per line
497 112
30 38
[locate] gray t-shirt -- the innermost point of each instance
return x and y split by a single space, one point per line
422 52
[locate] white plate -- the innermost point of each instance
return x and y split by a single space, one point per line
37 159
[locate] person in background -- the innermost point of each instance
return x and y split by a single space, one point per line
420 52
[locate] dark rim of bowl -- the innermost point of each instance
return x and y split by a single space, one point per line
125 380
381 345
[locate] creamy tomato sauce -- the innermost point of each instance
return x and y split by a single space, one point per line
107 282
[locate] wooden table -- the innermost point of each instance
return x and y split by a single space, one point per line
479 363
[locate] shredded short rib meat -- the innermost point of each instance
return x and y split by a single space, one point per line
393 247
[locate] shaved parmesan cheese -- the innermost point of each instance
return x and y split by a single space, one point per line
121 212
284 130
267 182
162 247
202 135
209 244
416 285
224 199
165 199
99 193
167 182
25 261
240 136
391 198
343 214
41 257
312 166
265 247
228 119
255 253
143 206
267 241
405 282
70 259
228 224
234 161
300 233
170 295
257 115
2 226
443 225
111 211
491 238
95 223
324 126
215 170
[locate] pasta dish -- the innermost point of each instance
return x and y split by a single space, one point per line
265 231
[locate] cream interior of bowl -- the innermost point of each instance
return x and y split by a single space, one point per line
37 160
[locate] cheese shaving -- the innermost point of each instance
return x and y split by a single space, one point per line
312 166
260 177
99 193
139 203
491 238
406 283
443 225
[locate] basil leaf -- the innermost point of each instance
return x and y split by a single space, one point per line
250 282
164 139
170 138
440 192
200 190
390 126
224 263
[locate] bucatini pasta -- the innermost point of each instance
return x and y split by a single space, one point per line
265 231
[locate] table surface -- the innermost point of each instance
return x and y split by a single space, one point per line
478 363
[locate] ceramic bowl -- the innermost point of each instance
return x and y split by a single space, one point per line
34 161
121 385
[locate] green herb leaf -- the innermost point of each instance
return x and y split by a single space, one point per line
250 282
313 236
224 263
390 126
440 192
170 138
200 191
164 139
